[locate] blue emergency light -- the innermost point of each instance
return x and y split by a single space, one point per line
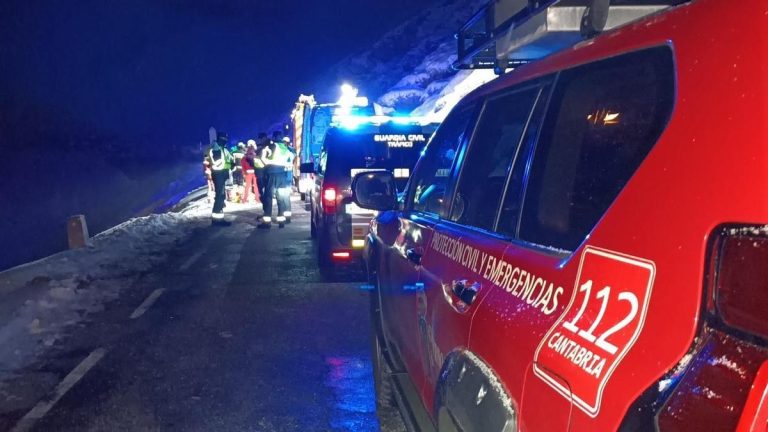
354 121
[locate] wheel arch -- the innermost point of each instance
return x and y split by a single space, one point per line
470 395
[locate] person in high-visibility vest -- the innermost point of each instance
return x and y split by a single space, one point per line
220 161
276 157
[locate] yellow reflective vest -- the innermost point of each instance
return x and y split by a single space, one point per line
223 162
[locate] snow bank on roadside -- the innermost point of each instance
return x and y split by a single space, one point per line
40 300
437 106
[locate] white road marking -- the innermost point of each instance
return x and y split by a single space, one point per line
147 303
41 409
188 263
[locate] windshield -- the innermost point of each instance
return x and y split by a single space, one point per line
396 152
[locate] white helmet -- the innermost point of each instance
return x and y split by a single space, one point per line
251 143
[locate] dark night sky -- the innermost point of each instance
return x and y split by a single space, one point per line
169 69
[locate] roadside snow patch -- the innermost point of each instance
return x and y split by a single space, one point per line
42 299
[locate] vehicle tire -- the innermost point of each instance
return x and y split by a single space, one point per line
312 228
303 196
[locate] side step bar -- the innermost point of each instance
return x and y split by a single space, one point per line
415 417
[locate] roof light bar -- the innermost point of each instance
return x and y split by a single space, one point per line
352 121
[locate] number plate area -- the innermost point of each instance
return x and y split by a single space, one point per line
605 316
354 209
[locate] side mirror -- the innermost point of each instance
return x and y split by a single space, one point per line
307 168
375 190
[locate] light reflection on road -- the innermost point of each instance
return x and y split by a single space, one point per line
355 408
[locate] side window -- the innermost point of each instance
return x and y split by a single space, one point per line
602 121
430 178
486 171
322 162
509 215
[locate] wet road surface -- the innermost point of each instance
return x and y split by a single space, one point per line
237 331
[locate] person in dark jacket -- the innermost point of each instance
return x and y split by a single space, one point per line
261 142
277 158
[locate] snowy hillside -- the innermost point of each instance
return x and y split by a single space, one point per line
410 66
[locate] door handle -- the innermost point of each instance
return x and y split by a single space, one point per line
465 291
413 255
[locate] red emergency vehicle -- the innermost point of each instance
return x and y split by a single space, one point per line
584 243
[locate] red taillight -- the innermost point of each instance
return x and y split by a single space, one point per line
340 256
741 281
329 200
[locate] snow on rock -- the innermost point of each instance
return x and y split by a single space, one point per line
413 53
40 300
402 98
438 105
437 86
421 82
410 68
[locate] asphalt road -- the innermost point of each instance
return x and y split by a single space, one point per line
237 331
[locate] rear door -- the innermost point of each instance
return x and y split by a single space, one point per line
351 152
316 193
465 250
394 148
425 204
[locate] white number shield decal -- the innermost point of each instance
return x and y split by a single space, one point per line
601 323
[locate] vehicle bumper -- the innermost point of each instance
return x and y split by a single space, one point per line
349 248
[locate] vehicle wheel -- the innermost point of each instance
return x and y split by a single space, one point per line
303 196
382 383
312 229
